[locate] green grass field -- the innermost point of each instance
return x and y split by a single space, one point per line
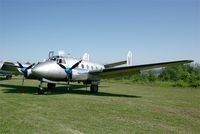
116 109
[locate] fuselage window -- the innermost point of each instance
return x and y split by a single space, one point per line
87 67
82 66
96 68
92 67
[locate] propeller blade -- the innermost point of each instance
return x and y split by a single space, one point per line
69 70
29 67
76 65
24 70
62 66
20 65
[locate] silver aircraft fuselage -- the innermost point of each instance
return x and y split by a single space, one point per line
50 70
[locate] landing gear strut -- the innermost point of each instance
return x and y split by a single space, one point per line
40 89
94 85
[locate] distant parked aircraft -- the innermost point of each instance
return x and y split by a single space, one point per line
7 74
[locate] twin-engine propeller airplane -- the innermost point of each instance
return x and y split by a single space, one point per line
68 69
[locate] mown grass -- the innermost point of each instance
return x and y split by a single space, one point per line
117 108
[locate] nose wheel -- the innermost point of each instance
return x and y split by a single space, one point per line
40 89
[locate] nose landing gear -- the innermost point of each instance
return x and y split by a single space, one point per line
40 89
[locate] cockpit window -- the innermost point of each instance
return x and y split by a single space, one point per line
61 61
53 59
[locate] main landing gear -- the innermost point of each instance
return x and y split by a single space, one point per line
51 85
94 85
41 90
94 88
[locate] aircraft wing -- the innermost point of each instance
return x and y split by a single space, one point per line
115 64
129 70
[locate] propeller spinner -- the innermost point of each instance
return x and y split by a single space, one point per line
68 71
23 69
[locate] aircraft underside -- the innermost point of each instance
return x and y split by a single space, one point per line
94 86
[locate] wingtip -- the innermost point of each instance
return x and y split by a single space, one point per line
190 61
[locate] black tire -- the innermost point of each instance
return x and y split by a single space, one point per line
40 91
8 77
51 85
94 88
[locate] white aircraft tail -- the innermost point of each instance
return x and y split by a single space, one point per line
129 58
86 57
1 64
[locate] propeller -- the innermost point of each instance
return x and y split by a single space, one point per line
24 70
68 71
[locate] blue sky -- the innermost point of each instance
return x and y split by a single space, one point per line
155 30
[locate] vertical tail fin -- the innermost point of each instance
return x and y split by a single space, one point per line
130 58
86 57
1 64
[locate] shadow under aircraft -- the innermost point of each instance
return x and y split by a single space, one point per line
75 89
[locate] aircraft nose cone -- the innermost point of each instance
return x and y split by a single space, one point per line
40 70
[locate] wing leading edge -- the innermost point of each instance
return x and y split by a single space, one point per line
129 70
